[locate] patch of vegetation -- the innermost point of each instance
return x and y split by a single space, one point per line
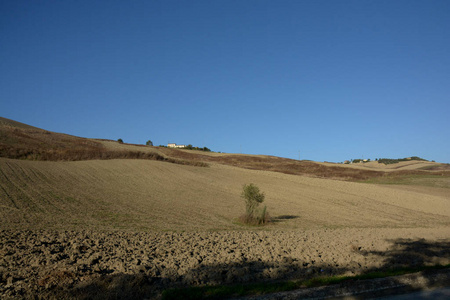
190 147
224 292
88 154
254 215
388 161
359 160
120 141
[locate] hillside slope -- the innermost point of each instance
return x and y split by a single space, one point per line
152 195
78 220
21 141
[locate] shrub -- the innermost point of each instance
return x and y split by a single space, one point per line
190 147
253 214
388 161
120 141
149 143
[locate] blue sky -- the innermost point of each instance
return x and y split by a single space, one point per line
333 80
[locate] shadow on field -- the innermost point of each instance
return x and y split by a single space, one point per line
406 253
404 256
283 218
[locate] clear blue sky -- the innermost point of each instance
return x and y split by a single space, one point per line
334 80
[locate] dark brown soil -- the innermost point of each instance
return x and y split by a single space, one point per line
119 265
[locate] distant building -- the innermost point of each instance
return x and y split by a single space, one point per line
173 145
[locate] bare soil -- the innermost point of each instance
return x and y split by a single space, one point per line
91 264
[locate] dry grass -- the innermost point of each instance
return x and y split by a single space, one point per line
251 220
20 141
306 168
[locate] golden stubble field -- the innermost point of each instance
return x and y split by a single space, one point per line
150 195
131 228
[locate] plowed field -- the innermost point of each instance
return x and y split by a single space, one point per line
130 228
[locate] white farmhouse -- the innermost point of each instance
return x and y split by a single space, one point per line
173 145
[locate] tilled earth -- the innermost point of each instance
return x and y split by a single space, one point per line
84 264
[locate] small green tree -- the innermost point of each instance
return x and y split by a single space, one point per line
253 197
120 141
149 143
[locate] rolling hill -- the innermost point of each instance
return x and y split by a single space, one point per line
80 184
95 219
21 141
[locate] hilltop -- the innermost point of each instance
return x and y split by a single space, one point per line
21 141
